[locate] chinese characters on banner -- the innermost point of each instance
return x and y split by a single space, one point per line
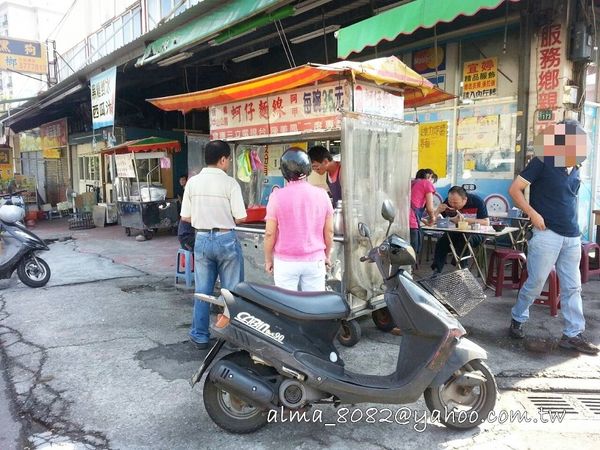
307 109
549 65
23 56
53 136
102 88
433 146
373 100
124 165
480 78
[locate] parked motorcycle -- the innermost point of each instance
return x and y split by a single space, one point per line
18 249
285 358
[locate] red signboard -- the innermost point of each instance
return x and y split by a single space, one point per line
54 134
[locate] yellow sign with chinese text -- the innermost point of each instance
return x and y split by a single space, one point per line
433 147
23 56
480 78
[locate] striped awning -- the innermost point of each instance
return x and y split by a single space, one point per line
406 19
387 72
149 144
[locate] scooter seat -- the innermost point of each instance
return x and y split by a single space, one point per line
298 305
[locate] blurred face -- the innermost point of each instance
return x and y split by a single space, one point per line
320 167
456 201
182 181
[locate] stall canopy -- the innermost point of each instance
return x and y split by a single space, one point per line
149 144
387 72
405 19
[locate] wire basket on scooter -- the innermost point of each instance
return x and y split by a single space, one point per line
459 291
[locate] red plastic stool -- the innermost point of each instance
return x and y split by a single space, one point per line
589 265
551 297
496 268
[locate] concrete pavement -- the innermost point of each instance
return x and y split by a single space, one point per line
99 359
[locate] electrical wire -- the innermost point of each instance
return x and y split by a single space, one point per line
284 42
62 19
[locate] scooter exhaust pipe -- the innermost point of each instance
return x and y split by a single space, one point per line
239 382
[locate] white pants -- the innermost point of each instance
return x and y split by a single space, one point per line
310 275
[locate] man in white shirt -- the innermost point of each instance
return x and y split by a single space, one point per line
213 203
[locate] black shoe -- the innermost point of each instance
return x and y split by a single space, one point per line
203 345
578 343
516 330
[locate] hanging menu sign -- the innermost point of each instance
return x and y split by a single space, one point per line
303 110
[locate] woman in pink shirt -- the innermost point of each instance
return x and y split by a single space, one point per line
421 199
299 230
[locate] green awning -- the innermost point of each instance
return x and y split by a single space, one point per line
232 18
405 19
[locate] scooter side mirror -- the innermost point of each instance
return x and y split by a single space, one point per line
388 210
364 230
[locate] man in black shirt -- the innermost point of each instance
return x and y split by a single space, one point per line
458 206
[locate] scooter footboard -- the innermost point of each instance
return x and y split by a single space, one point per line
464 352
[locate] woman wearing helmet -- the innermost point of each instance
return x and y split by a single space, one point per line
299 230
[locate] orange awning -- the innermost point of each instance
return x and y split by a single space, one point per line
386 72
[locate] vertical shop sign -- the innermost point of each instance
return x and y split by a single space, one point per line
103 87
433 146
480 78
549 64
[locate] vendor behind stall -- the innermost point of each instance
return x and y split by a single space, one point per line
322 162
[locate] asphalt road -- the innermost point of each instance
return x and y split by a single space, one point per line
99 359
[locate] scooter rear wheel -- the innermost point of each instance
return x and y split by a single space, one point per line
33 272
230 412
461 407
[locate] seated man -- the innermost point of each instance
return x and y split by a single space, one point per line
458 206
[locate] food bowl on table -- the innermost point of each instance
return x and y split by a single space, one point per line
498 226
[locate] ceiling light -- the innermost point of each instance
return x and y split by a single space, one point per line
314 34
262 51
302 7
175 58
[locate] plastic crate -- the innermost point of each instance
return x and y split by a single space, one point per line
81 221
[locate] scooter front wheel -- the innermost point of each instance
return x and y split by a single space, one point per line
460 403
34 272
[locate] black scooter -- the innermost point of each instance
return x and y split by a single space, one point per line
19 247
286 360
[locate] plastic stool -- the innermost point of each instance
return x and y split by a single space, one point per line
589 265
495 273
185 267
551 297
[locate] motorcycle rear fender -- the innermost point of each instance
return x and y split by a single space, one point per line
464 352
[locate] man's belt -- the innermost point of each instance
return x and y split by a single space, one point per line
212 230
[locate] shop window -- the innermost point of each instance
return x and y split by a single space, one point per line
137 22
148 165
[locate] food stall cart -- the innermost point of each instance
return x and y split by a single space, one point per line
359 106
141 199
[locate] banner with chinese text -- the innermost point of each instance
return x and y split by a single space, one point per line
23 56
103 88
307 109
550 58
480 78
478 132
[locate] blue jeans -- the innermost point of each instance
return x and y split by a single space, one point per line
215 254
545 250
